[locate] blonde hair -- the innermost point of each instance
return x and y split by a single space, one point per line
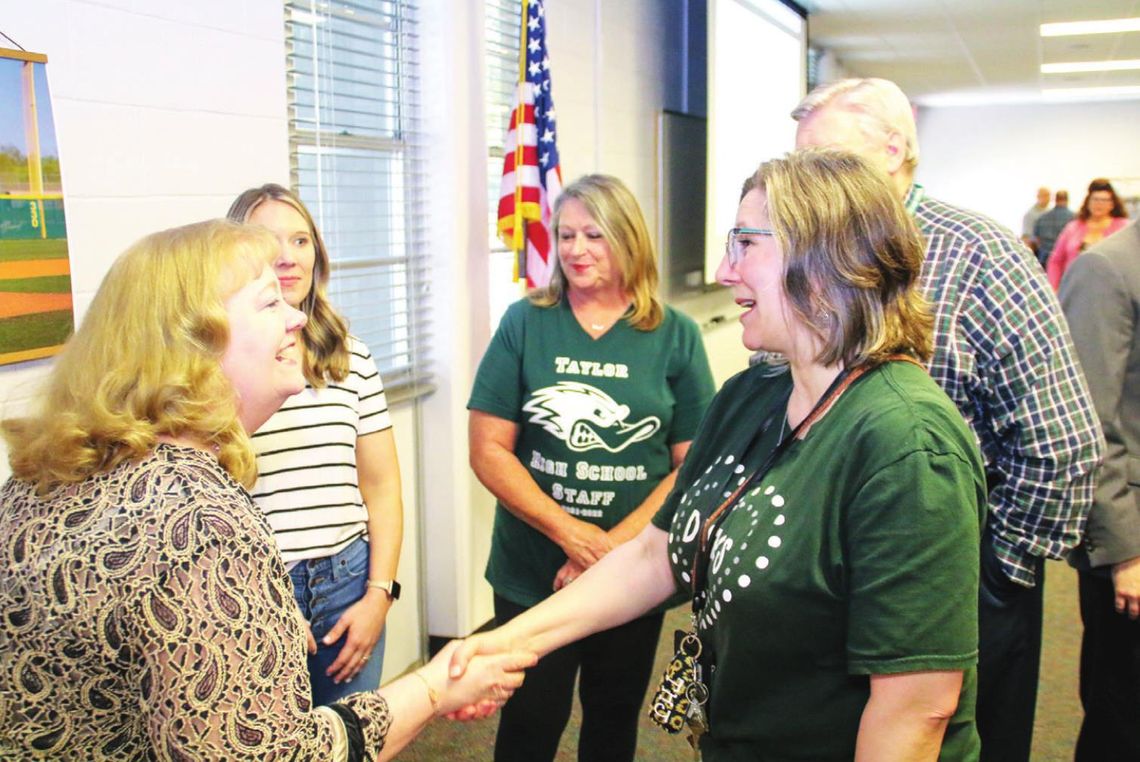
852 256
880 105
326 332
616 213
146 361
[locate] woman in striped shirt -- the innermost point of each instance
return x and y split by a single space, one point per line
329 478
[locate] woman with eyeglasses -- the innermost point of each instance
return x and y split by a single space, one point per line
826 518
582 409
1102 213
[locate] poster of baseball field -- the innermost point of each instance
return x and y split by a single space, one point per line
35 275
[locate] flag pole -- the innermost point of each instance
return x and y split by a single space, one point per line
518 237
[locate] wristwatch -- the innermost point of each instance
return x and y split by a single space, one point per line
389 586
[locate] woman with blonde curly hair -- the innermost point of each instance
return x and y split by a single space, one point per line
147 611
329 479
825 522
131 376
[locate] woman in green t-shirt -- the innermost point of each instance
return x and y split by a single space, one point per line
826 518
583 407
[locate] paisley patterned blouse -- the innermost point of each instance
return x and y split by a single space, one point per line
145 614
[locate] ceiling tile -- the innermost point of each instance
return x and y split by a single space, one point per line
940 47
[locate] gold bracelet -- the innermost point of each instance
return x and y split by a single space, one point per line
432 695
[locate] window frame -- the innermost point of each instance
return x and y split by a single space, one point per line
357 160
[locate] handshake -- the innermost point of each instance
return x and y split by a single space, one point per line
470 679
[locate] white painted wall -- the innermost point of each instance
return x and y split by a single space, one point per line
993 158
161 110
456 512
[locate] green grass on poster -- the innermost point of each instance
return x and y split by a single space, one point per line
22 250
44 329
48 284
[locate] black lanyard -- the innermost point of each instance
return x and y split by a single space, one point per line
841 383
701 556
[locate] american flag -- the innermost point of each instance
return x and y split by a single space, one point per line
532 178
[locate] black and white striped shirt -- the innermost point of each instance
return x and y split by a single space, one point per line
306 458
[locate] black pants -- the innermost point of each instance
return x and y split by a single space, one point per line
1110 676
1009 659
615 670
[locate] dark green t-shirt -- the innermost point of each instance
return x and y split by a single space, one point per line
856 555
597 419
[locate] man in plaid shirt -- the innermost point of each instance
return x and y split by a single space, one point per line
1003 354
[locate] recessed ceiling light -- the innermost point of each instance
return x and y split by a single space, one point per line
1103 26
1084 66
1092 93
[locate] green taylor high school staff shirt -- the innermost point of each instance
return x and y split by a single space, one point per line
597 418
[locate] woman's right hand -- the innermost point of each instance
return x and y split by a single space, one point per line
488 680
584 543
569 572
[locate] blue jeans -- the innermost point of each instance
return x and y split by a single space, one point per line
325 588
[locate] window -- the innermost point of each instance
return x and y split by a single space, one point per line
356 162
502 19
501 55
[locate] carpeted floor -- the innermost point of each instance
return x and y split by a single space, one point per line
1058 706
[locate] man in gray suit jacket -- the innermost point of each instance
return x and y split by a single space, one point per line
1100 295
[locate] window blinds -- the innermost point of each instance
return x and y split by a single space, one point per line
357 162
501 55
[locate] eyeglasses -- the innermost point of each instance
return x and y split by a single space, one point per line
736 245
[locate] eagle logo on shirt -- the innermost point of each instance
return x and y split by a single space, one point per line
586 418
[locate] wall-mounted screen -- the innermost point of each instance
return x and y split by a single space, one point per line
756 76
682 143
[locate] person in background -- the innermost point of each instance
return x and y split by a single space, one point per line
328 474
147 611
1100 294
1003 354
1031 217
1101 214
1050 225
582 409
826 518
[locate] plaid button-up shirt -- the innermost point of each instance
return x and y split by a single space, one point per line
1003 354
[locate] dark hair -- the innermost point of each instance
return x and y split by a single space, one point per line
325 334
852 255
1100 185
